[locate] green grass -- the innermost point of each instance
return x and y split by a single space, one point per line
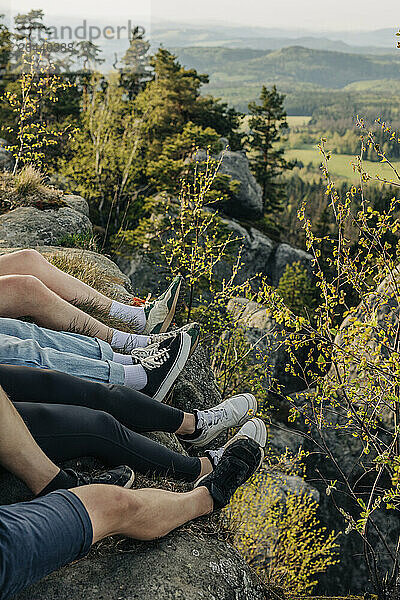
340 164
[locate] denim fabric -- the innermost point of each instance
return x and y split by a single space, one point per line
39 537
25 344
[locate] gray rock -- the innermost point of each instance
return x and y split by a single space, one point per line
77 203
248 202
6 158
268 336
182 566
287 255
28 226
196 386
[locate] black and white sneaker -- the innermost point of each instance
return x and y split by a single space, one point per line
192 329
163 364
253 430
238 463
121 476
233 412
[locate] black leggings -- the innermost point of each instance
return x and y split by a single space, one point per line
70 417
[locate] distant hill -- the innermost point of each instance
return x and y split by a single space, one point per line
294 64
261 38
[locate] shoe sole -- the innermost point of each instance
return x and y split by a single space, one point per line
131 481
175 369
250 412
198 482
168 319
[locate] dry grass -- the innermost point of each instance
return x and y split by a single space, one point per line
92 274
28 188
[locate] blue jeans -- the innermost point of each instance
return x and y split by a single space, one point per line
27 344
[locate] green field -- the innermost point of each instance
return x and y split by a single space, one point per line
340 164
298 121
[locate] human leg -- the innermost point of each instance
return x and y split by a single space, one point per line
40 536
155 316
19 452
66 432
14 351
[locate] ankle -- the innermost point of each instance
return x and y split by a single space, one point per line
204 500
188 425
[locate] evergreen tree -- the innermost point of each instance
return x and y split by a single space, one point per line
267 124
136 70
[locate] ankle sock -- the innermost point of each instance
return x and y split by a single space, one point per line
128 314
214 456
128 341
135 377
62 481
122 359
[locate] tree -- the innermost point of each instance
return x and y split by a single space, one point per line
267 124
136 70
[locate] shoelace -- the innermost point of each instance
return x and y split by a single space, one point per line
208 418
150 357
156 338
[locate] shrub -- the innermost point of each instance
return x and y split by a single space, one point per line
281 538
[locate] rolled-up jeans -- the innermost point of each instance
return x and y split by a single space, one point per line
27 344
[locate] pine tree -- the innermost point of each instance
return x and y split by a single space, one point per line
267 124
136 70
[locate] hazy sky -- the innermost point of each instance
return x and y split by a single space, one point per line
303 14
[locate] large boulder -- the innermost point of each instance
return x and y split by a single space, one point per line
247 202
268 337
28 226
185 565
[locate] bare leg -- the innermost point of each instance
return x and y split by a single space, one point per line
143 514
19 453
27 296
31 262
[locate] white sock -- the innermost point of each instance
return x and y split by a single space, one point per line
135 377
122 359
128 341
128 314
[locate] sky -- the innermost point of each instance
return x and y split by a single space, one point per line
322 15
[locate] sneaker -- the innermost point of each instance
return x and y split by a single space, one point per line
121 476
192 329
253 430
239 462
163 365
160 312
233 412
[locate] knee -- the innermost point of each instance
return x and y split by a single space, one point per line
27 259
23 286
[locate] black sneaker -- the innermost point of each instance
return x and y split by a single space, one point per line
121 476
164 365
238 463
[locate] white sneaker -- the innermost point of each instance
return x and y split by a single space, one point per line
233 412
253 430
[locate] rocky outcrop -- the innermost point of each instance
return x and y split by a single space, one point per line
6 158
247 202
29 227
182 566
260 254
